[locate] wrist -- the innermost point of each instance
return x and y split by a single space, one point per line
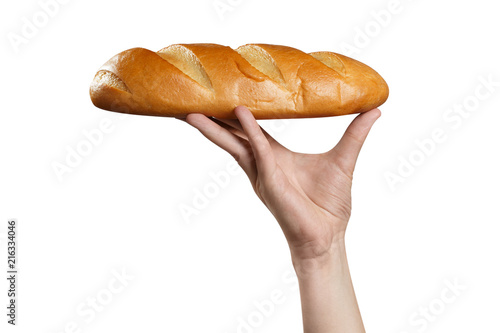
310 266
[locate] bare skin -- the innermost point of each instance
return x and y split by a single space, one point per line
310 197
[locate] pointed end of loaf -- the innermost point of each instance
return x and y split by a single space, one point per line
108 92
363 89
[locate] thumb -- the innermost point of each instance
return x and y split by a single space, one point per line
349 146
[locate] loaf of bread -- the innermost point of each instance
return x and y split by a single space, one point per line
273 81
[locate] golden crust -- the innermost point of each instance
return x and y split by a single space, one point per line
273 81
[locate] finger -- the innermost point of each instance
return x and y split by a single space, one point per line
232 126
237 125
349 146
262 151
222 138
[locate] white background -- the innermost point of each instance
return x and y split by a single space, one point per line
119 207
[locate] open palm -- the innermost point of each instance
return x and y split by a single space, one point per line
309 194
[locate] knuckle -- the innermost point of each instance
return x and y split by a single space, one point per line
241 157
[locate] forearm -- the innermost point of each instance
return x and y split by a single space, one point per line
327 295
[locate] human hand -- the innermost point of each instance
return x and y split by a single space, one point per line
309 194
